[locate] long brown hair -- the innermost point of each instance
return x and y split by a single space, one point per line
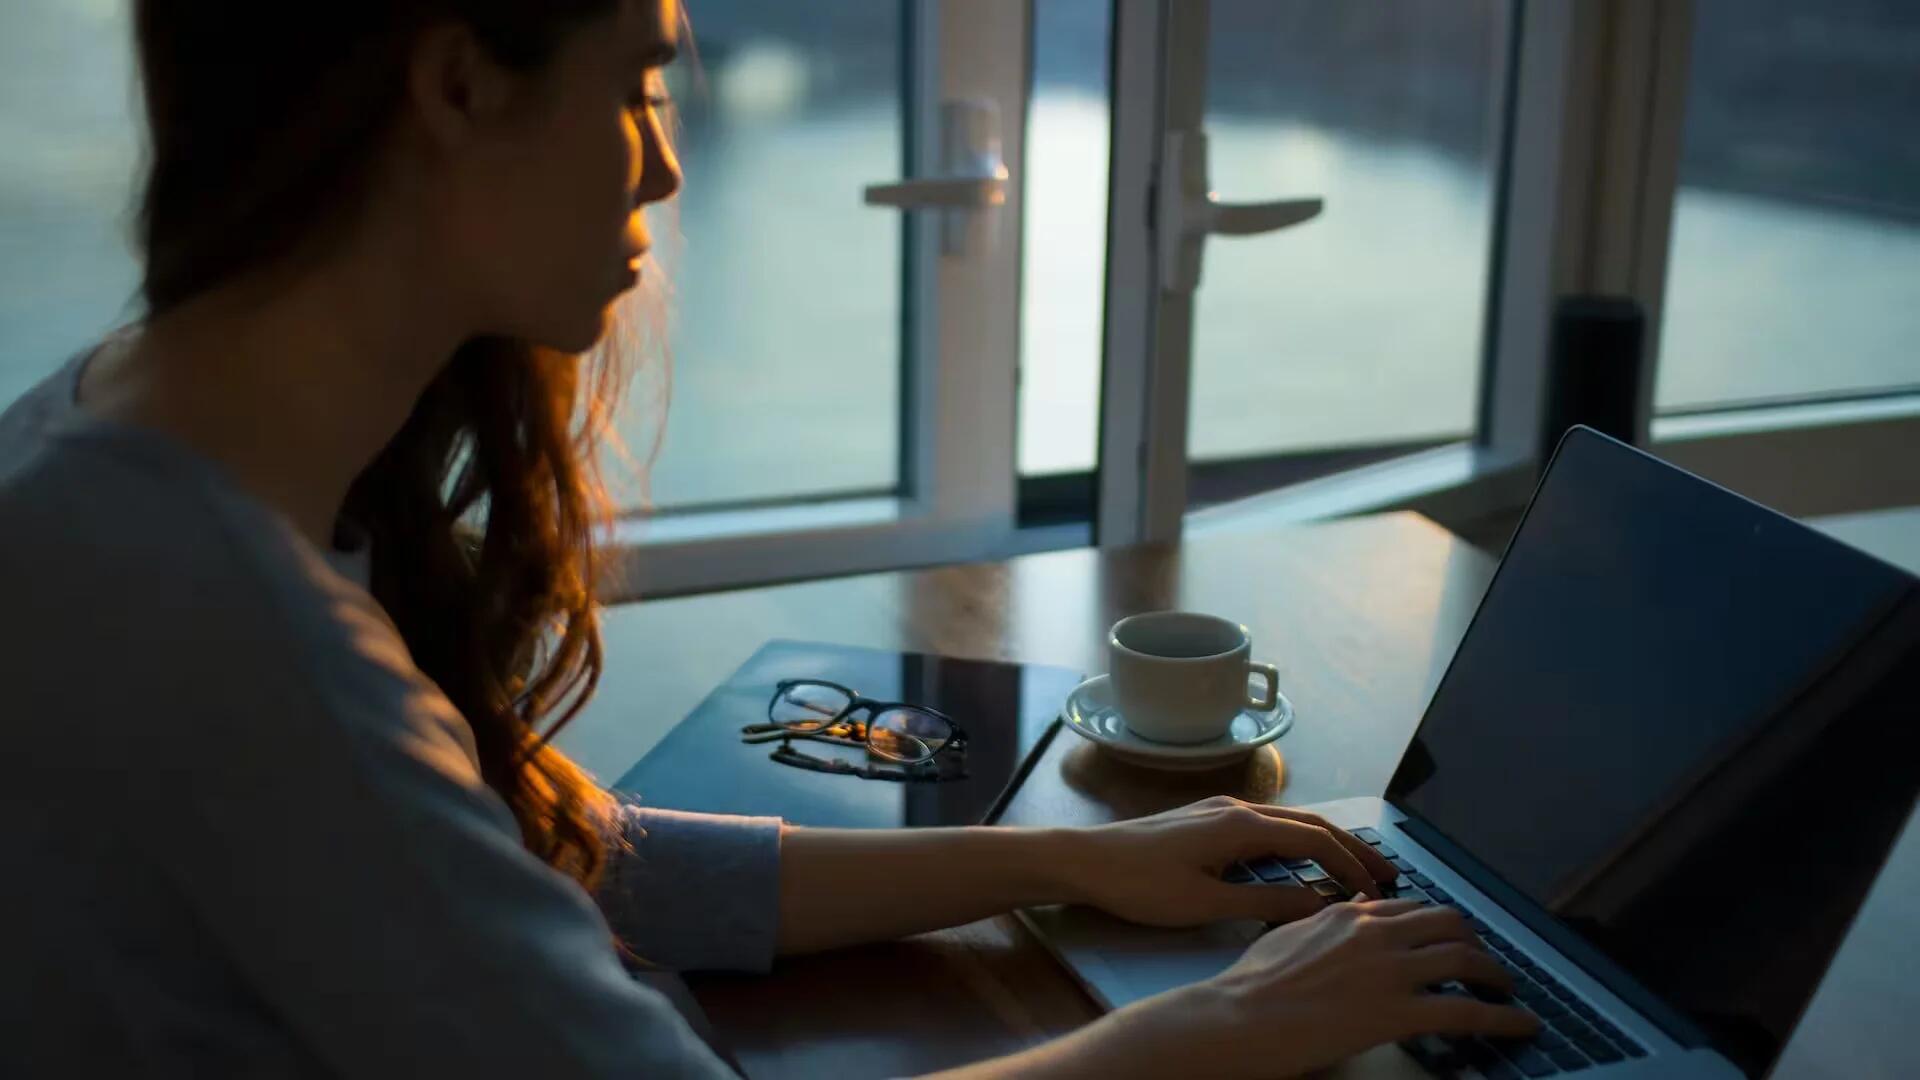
483 509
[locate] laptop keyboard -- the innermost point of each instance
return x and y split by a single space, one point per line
1573 1035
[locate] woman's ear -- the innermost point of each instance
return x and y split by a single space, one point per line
455 86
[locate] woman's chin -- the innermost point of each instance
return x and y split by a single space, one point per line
583 336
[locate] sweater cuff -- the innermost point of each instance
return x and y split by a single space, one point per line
697 891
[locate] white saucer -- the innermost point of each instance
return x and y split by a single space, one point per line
1090 711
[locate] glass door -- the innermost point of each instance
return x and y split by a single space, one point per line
1317 264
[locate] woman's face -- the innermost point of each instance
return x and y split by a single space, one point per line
550 220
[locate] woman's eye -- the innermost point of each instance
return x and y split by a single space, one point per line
641 104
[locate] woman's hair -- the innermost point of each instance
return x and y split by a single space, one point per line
265 125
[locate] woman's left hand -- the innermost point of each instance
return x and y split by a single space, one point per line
1165 870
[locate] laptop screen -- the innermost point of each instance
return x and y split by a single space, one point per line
1685 726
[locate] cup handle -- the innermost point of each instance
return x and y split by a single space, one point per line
1272 675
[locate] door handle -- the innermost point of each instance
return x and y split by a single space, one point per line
972 184
1188 213
945 193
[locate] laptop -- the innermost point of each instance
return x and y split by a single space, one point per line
1668 759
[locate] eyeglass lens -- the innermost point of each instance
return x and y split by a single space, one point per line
908 734
808 706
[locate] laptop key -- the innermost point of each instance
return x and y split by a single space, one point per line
1550 1010
1583 1010
1296 864
1530 1061
1269 869
1401 864
1568 1058
1311 874
1574 1028
1497 943
1483 1056
1237 874
1563 991
1440 894
1548 1040
1599 1050
1420 879
1367 836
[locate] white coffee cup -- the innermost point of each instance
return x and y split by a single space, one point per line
1181 677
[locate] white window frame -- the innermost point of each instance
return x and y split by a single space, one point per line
961 321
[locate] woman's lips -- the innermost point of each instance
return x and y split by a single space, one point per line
630 270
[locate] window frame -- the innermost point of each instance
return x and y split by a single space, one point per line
959 344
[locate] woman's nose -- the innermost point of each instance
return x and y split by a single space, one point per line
659 167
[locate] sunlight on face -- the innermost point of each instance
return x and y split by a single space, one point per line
566 233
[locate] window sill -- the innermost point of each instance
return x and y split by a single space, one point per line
1765 419
707 551
692 527
1458 480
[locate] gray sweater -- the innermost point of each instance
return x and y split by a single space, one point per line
248 837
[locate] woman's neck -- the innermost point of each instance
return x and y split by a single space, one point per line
293 384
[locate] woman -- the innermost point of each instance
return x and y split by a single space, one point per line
307 553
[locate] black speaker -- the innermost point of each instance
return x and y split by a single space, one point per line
1595 353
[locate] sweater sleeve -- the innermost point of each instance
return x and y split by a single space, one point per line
337 841
696 891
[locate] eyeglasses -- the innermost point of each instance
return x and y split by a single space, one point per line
927 743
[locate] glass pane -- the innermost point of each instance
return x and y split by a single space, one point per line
1795 266
67 121
785 289
1361 328
1063 272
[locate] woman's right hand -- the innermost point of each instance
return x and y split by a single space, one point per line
1318 991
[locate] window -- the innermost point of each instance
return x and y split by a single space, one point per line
1361 328
1063 261
786 291
67 121
842 393
786 342
1795 263
860 386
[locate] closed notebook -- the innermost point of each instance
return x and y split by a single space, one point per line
1008 711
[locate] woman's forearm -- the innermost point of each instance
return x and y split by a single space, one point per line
847 886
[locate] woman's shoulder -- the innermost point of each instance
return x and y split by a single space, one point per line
114 517
157 591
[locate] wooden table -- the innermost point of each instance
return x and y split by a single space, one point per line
1361 617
